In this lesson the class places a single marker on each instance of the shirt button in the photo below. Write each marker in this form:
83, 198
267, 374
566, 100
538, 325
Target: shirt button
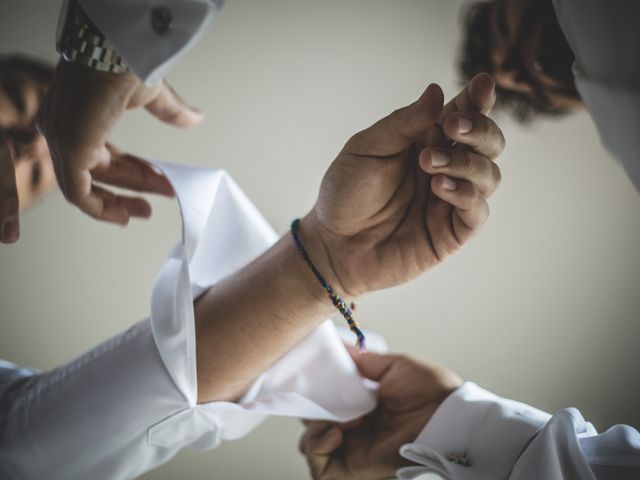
161, 20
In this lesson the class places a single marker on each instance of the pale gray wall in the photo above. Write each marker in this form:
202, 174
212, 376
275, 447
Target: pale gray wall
543, 306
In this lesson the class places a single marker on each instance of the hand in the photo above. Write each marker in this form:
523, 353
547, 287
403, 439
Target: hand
386, 211
409, 394
81, 108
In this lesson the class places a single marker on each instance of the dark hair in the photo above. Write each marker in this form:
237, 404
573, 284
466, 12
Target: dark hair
476, 57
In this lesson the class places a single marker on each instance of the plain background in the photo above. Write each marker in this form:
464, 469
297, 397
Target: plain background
542, 307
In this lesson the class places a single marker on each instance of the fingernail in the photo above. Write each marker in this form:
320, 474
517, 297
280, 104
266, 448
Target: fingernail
449, 184
464, 124
439, 159
11, 229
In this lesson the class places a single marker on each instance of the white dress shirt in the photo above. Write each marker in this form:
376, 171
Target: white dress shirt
605, 38
129, 404
151, 52
477, 435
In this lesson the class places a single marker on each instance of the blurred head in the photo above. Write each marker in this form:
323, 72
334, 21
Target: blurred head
521, 44
23, 83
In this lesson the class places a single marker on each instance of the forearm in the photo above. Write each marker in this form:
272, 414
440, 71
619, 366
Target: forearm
248, 321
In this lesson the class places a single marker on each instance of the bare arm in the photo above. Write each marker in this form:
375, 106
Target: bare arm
246, 323
388, 210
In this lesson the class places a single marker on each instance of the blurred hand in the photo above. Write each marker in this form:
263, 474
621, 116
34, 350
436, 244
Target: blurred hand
368, 448
400, 198
81, 108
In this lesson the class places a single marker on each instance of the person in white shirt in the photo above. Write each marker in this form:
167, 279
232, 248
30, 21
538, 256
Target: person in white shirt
236, 324
548, 59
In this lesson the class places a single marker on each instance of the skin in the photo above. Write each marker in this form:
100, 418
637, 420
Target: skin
27, 171
506, 22
385, 214
409, 393
80, 110
396, 202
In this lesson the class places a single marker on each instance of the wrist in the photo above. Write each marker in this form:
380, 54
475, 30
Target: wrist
310, 232
79, 41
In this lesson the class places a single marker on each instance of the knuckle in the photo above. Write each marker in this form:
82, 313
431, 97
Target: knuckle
472, 198
476, 196
468, 165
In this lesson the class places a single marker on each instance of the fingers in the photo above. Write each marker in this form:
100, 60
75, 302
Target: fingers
476, 131
315, 431
463, 164
399, 130
102, 204
170, 108
318, 443
471, 210
132, 173
9, 204
478, 96
120, 170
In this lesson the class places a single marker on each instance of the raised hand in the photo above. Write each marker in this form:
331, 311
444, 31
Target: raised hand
368, 448
400, 197
81, 108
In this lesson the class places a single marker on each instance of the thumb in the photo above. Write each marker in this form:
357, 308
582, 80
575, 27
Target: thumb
397, 131
326, 443
482, 93
478, 96
9, 204
372, 365
170, 108
320, 454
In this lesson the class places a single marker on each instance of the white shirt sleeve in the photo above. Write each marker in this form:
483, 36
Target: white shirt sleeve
129, 404
604, 37
150, 52
478, 435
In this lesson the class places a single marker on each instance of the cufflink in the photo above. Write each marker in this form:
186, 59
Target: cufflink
459, 459
161, 20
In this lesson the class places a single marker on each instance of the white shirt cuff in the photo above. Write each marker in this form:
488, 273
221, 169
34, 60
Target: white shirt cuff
474, 434
223, 231
127, 25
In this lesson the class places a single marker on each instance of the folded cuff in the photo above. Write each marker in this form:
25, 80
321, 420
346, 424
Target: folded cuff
474, 434
223, 231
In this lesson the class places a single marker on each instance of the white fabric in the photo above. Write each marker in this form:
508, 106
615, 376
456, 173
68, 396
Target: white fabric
129, 404
127, 25
506, 439
605, 39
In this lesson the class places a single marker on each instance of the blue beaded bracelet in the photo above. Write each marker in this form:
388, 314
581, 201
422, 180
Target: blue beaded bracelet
336, 299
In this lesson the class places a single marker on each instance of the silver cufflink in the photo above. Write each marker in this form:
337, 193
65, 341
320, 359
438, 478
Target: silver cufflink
459, 459
161, 20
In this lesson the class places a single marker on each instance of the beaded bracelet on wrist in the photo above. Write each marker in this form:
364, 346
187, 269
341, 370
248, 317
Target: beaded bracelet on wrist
336, 299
